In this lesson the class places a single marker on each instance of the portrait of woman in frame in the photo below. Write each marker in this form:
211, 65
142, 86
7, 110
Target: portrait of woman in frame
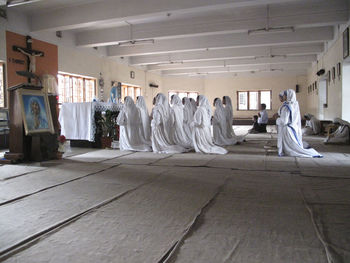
36, 112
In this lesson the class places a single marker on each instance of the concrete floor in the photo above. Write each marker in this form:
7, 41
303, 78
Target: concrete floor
246, 206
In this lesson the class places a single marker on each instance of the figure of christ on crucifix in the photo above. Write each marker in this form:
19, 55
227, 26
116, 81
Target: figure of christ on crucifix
31, 58
30, 54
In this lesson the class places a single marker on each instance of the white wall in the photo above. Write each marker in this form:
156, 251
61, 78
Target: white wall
214, 87
83, 61
90, 62
328, 60
346, 93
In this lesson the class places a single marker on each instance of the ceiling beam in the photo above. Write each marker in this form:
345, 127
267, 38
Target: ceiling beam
249, 68
303, 35
305, 14
87, 14
234, 62
230, 53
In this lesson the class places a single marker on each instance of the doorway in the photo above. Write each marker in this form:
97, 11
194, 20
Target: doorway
322, 98
346, 91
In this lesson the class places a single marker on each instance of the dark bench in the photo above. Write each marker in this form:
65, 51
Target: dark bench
249, 121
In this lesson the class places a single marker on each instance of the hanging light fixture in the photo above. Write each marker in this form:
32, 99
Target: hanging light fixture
268, 29
12, 3
134, 42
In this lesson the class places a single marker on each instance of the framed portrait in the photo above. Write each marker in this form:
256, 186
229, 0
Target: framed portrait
329, 76
36, 112
346, 43
333, 73
339, 70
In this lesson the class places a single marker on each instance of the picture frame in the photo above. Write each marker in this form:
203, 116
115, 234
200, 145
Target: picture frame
36, 113
132, 74
346, 43
339, 70
329, 76
333, 73
315, 85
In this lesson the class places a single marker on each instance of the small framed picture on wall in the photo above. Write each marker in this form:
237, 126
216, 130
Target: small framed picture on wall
346, 43
339, 70
329, 76
315, 85
333, 73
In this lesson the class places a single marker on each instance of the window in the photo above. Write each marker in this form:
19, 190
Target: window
183, 94
2, 86
73, 88
132, 91
251, 100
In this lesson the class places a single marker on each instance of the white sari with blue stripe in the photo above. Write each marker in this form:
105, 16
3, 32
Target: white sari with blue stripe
290, 136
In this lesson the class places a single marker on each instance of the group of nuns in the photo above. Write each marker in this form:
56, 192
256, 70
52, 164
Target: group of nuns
178, 128
186, 125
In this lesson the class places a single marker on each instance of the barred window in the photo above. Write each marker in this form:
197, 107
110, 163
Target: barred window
74, 88
183, 94
251, 100
2, 86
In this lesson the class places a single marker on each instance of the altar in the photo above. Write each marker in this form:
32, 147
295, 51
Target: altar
78, 120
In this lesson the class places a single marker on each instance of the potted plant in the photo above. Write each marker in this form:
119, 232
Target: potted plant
107, 124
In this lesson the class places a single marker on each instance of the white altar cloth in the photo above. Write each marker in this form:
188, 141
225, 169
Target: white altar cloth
77, 119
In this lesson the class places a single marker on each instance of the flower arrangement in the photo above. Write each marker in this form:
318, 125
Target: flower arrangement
61, 143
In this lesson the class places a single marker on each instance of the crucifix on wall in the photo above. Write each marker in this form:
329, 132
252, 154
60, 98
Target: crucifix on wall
31, 55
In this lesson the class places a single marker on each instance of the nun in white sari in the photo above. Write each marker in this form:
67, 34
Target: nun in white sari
341, 135
201, 136
279, 128
162, 128
229, 118
179, 135
291, 136
193, 105
145, 120
219, 125
129, 120
188, 118
312, 125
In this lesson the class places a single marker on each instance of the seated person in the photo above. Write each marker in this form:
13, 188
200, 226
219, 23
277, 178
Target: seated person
262, 121
255, 128
341, 135
312, 125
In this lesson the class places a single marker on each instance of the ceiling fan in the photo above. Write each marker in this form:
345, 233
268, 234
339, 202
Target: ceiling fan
12, 3
4, 4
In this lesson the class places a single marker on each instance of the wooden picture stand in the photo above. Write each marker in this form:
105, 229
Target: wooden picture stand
38, 147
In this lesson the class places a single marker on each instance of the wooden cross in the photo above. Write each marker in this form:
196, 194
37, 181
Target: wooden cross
30, 54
